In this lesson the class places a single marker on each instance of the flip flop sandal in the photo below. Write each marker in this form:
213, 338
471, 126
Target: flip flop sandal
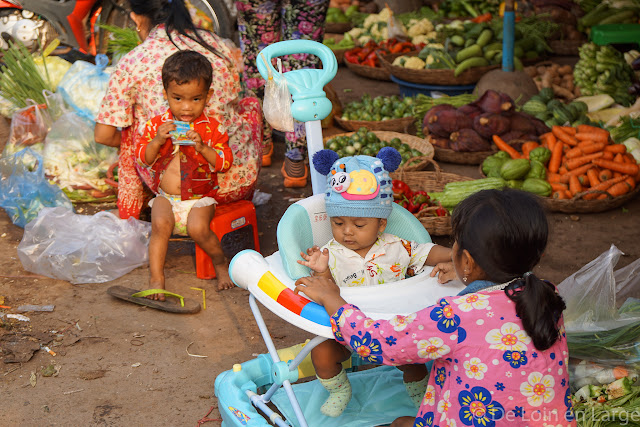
138, 297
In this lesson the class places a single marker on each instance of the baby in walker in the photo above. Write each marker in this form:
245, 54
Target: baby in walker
184, 149
358, 201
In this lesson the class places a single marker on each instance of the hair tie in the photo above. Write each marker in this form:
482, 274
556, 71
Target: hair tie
527, 274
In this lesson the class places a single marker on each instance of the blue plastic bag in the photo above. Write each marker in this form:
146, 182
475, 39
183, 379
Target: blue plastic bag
24, 190
84, 86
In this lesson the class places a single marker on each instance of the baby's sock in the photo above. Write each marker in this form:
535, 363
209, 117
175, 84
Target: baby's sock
339, 389
417, 389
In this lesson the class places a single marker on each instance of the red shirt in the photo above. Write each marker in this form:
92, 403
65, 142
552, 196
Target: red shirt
198, 178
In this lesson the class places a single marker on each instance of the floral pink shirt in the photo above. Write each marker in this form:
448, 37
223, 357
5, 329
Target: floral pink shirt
486, 371
135, 96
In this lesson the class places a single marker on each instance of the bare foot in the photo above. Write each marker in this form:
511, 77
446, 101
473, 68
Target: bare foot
222, 275
156, 284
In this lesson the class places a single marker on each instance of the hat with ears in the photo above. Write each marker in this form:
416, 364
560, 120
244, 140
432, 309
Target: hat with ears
358, 186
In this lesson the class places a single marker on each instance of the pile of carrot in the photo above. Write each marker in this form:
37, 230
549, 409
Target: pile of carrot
584, 162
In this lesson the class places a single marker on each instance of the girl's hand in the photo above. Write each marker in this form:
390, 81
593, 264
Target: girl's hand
315, 259
444, 271
322, 290
164, 131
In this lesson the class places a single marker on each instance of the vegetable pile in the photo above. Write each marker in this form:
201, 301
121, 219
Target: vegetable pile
366, 142
416, 202
613, 404
378, 108
603, 70
552, 111
368, 54
471, 126
345, 43
580, 162
558, 78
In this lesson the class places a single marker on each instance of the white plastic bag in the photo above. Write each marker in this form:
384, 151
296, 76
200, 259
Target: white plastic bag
29, 128
83, 248
277, 101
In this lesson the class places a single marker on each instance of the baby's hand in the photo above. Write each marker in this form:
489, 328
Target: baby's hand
164, 131
444, 271
316, 259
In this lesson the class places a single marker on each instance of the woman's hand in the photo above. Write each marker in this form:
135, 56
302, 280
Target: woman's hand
444, 271
322, 290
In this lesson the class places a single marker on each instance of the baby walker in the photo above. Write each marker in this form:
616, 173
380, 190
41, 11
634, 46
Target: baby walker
244, 391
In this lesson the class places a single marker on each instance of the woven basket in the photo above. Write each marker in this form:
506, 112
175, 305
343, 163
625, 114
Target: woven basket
579, 205
339, 53
430, 181
402, 125
433, 77
376, 73
337, 27
461, 157
413, 164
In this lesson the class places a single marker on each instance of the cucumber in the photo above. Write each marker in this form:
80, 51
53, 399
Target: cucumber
490, 54
469, 52
469, 42
517, 64
493, 46
457, 40
484, 38
518, 52
477, 61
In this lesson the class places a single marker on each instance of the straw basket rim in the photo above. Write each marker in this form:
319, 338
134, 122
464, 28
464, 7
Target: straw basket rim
442, 77
430, 181
401, 125
448, 155
412, 141
375, 73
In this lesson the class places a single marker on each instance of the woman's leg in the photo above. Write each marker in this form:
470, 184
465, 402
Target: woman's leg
199, 229
162, 222
130, 188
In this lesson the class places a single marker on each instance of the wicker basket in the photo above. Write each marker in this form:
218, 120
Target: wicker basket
433, 77
376, 73
339, 53
461, 157
337, 27
579, 205
413, 164
402, 125
430, 181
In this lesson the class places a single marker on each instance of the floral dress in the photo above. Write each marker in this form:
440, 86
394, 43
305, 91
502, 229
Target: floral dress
262, 23
486, 371
134, 96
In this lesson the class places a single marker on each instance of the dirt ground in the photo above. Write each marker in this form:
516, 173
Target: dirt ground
119, 364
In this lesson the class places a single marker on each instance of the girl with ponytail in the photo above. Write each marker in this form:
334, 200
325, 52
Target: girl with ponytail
498, 347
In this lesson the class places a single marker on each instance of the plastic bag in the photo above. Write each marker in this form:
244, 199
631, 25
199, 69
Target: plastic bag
55, 69
24, 190
29, 128
83, 248
84, 86
600, 325
395, 28
277, 101
75, 162
55, 104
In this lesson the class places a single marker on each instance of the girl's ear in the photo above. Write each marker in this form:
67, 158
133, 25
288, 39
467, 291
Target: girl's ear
470, 267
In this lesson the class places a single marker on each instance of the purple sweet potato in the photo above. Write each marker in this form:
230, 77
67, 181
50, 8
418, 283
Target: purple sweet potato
494, 102
540, 126
438, 142
432, 115
468, 140
489, 124
470, 110
511, 135
522, 122
445, 121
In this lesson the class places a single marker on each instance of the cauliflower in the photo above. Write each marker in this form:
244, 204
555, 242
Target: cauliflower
417, 28
399, 61
420, 39
371, 20
414, 63
429, 60
436, 46
355, 32
362, 40
385, 14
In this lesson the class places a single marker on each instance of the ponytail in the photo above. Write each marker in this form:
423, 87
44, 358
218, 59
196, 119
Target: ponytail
539, 307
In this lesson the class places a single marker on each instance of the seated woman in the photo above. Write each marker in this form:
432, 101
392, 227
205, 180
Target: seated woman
135, 95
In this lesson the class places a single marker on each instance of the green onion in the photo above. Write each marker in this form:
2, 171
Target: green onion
19, 77
121, 40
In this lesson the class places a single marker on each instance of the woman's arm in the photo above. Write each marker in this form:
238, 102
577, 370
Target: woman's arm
106, 135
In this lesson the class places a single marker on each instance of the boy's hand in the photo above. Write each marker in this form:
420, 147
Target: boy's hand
444, 271
195, 137
164, 131
316, 259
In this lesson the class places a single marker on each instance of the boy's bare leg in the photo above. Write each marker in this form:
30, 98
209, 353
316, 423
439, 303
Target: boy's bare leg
198, 227
162, 223
327, 358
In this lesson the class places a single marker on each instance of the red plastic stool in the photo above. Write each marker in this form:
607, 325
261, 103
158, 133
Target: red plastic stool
236, 226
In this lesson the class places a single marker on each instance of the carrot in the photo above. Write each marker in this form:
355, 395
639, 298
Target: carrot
568, 194
506, 147
616, 148
563, 170
605, 175
602, 196
617, 174
570, 130
585, 149
559, 195
584, 143
592, 174
592, 129
548, 139
603, 186
556, 157
557, 178
580, 170
582, 160
619, 189
574, 185
628, 158
584, 181
620, 372
608, 155
626, 168
618, 158
528, 146
558, 186
632, 182
592, 136
563, 136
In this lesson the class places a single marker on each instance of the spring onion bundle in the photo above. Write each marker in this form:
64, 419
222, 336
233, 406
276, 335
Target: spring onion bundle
19, 77
121, 40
